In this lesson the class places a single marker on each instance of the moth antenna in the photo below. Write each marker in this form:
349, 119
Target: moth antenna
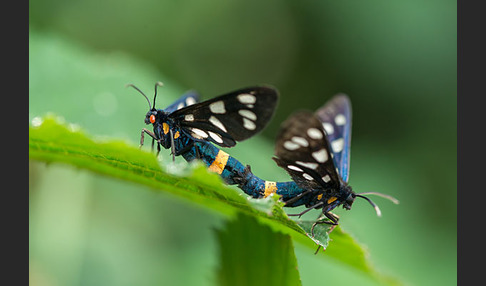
159, 83
377, 209
390, 198
150, 107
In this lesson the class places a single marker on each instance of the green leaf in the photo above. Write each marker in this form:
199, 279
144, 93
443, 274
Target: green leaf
251, 253
52, 141
88, 87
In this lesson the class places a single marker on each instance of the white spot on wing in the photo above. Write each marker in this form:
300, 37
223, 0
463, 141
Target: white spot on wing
308, 177
189, 117
198, 133
308, 165
328, 127
217, 107
216, 137
248, 114
190, 101
295, 168
181, 105
314, 133
215, 121
320, 156
326, 178
340, 120
248, 124
246, 98
301, 141
291, 145
337, 145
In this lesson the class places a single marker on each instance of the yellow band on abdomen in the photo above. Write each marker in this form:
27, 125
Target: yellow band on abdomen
219, 163
270, 188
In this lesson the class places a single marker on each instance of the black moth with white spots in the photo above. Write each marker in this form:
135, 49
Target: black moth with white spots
228, 118
304, 151
223, 120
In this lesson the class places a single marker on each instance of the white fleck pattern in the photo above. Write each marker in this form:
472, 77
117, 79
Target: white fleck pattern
328, 127
326, 178
291, 145
246, 98
217, 107
190, 101
215, 121
308, 165
198, 133
337, 145
340, 120
314, 133
308, 177
216, 137
320, 156
295, 168
248, 114
189, 117
301, 141
248, 124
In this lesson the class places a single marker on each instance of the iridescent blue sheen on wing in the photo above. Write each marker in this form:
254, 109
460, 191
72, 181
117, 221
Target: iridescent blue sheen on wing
336, 118
186, 99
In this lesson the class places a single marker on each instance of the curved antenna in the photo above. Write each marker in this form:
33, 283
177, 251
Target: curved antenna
390, 198
377, 209
150, 107
375, 206
159, 83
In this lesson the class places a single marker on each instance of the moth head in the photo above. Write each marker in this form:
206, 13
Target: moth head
349, 198
152, 115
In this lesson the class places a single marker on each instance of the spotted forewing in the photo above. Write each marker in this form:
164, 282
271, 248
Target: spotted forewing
304, 152
231, 117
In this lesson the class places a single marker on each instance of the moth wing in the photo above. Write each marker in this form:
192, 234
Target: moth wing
335, 116
303, 151
188, 98
228, 118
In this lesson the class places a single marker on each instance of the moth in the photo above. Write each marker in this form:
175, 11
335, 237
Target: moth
222, 120
314, 149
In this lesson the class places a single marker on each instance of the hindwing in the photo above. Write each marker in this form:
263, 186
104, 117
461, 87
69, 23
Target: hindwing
335, 116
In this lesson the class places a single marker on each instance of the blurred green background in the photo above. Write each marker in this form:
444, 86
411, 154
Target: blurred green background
395, 59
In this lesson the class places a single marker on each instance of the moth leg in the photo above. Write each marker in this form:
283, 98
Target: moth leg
308, 209
334, 221
172, 145
198, 155
150, 133
158, 148
296, 198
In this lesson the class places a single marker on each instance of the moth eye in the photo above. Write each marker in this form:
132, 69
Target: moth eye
152, 118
